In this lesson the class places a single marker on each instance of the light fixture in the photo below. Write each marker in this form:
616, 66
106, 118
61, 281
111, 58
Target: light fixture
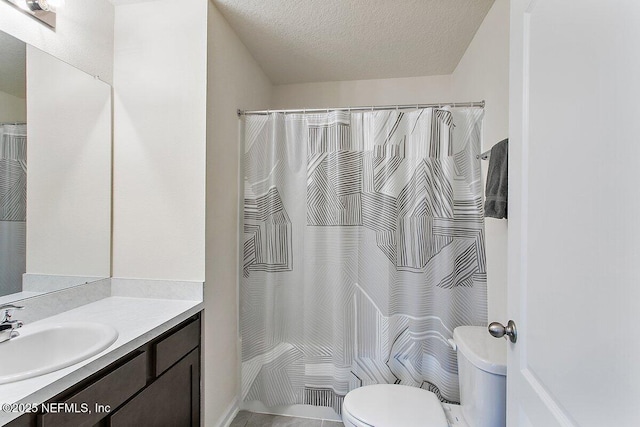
42, 10
44, 5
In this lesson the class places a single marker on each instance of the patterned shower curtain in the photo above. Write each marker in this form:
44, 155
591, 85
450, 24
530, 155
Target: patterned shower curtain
363, 250
13, 205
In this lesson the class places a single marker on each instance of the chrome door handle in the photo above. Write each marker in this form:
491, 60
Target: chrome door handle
498, 330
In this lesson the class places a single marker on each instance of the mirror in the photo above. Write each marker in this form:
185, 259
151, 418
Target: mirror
55, 173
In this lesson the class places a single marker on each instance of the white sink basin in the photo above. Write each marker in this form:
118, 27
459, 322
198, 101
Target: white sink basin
41, 349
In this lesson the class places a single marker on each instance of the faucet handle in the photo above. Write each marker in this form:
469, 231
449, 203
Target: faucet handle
7, 310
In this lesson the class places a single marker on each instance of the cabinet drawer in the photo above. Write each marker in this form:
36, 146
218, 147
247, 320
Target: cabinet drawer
176, 346
112, 389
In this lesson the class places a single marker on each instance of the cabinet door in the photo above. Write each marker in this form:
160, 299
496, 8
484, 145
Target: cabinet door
110, 390
172, 400
26, 420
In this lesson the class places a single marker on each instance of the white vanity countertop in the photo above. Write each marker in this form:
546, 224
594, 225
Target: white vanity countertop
137, 320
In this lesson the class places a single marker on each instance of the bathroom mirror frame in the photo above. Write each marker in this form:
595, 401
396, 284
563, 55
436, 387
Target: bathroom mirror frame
76, 197
47, 17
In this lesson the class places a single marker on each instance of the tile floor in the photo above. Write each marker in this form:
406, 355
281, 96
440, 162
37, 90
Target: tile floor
250, 419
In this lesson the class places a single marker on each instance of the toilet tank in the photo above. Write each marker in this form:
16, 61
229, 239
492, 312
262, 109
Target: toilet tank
482, 372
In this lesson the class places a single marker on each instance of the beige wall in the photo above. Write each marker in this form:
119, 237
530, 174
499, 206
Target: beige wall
83, 36
409, 90
160, 114
12, 108
235, 81
483, 73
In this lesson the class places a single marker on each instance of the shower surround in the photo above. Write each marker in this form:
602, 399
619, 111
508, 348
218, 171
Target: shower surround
363, 250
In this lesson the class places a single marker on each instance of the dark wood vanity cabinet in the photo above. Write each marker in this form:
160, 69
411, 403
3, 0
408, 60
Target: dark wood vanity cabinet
156, 385
172, 400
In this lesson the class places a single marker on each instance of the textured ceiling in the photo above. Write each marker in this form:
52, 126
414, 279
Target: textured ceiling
13, 66
299, 41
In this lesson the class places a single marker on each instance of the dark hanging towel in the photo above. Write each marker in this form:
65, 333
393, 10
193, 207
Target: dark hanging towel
496, 203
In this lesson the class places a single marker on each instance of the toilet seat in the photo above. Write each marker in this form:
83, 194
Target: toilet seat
391, 405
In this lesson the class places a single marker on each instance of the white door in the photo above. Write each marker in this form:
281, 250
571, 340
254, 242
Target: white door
574, 213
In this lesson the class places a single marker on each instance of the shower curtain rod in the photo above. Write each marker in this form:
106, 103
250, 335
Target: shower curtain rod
12, 123
479, 104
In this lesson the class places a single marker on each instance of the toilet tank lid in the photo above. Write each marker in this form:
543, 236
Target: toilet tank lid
481, 349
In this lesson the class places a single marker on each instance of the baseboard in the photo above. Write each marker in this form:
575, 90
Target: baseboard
299, 411
230, 413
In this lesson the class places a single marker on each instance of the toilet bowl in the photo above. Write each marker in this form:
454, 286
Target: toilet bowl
482, 374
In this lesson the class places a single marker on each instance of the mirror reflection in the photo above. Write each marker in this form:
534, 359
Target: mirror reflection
55, 173
13, 164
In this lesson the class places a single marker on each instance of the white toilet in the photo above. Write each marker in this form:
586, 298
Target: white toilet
482, 370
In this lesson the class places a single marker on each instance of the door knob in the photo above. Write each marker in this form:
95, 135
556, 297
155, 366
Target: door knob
496, 329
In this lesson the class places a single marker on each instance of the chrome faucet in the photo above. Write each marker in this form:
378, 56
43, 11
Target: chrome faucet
7, 326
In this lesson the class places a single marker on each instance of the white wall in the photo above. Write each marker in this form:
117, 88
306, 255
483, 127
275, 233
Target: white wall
483, 73
406, 90
160, 67
12, 108
83, 36
69, 169
235, 81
